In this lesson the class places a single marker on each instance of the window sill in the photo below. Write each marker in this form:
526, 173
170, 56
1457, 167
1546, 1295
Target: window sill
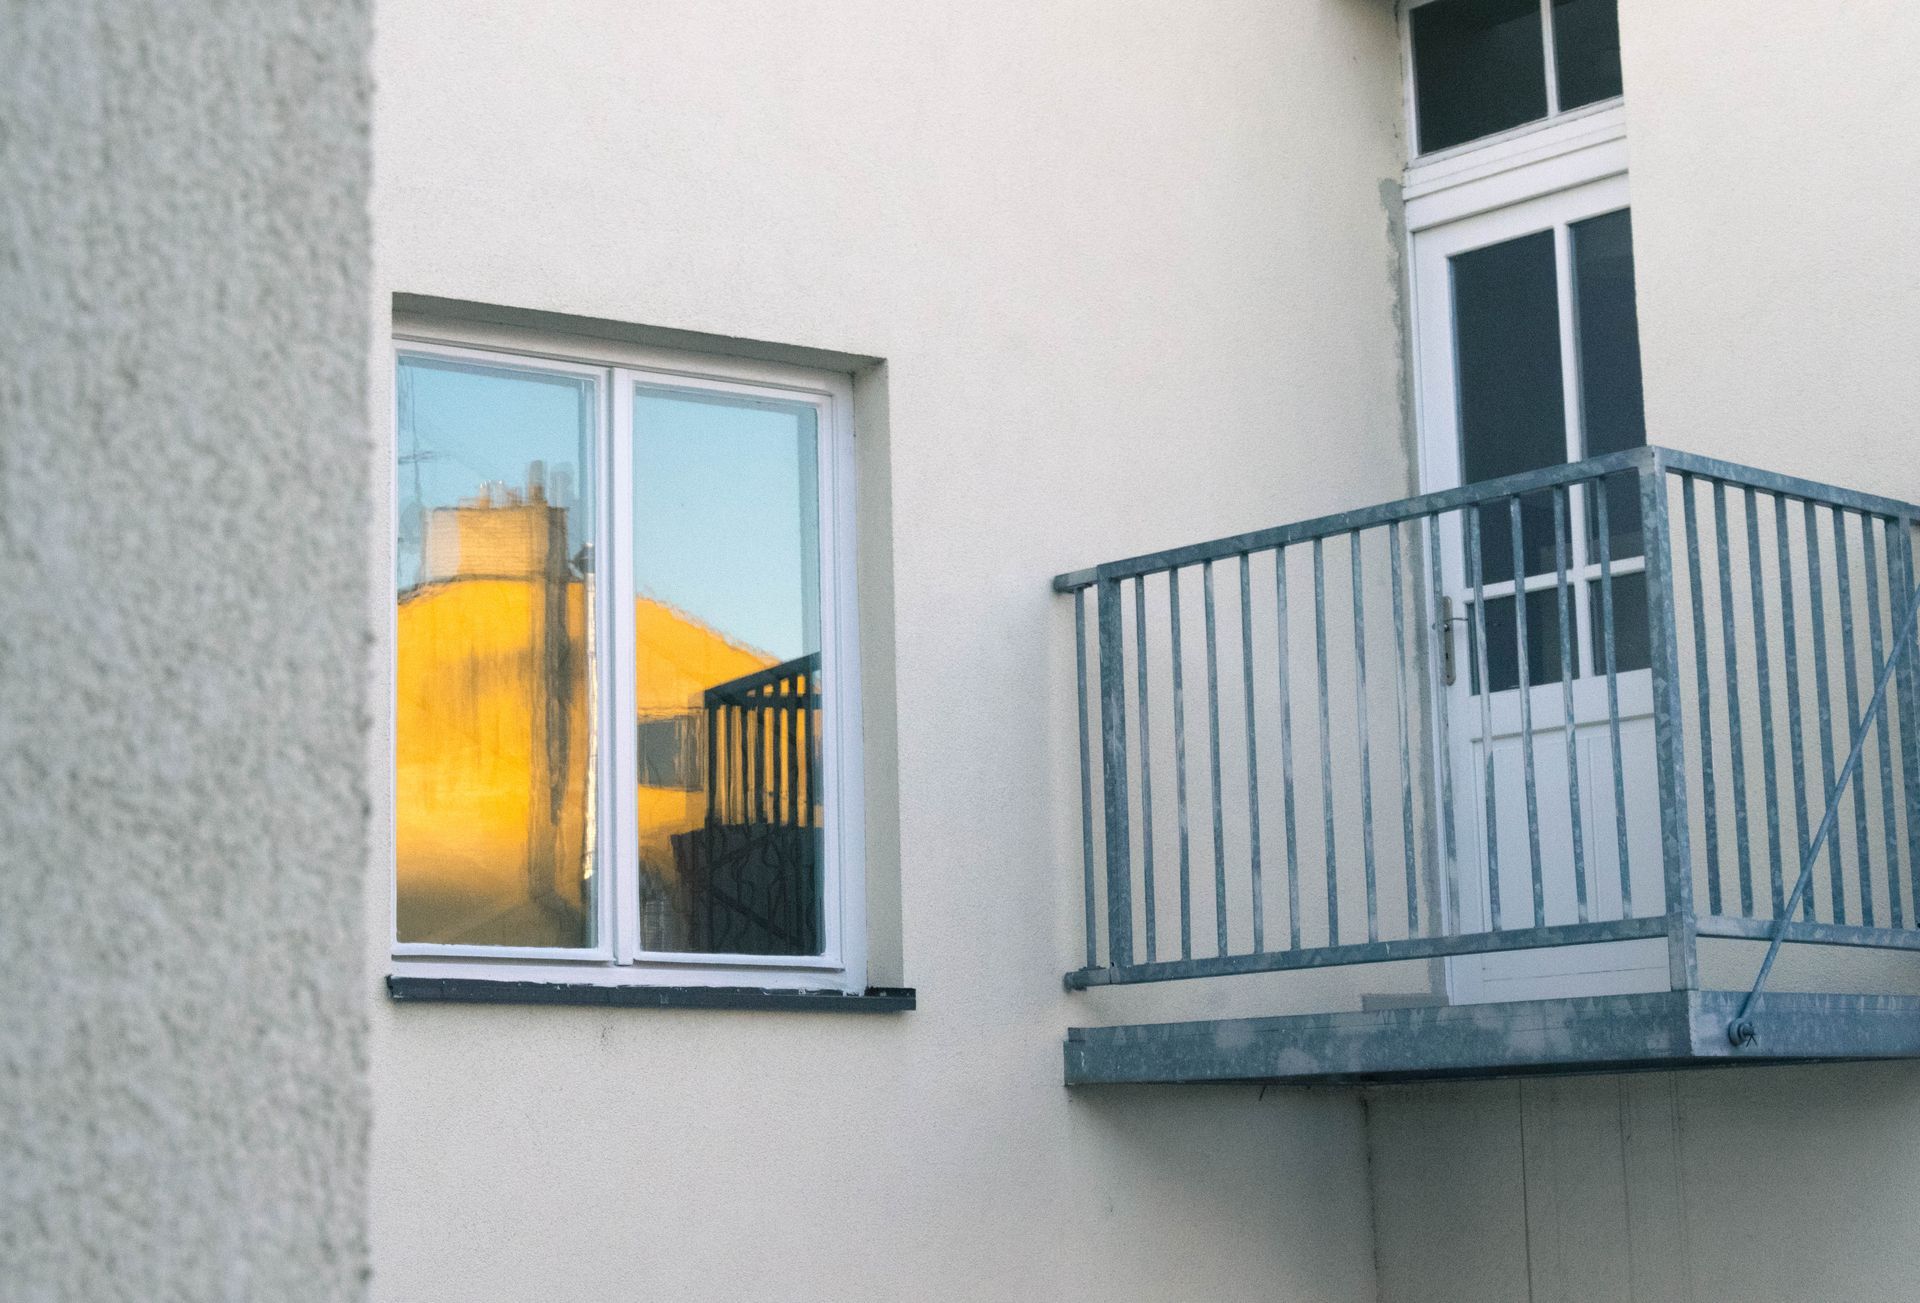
457, 990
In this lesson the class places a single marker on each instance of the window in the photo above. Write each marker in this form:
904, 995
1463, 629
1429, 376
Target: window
1511, 374
1485, 66
625, 718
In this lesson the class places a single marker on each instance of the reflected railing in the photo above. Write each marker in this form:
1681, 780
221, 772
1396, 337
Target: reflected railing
752, 869
1604, 702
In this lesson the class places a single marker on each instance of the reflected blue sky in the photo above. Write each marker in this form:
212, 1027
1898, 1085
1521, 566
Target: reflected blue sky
464, 426
726, 509
726, 515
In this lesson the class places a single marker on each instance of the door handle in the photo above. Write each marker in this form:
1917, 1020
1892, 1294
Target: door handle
1448, 670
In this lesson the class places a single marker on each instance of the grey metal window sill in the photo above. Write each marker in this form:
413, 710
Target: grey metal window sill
453, 990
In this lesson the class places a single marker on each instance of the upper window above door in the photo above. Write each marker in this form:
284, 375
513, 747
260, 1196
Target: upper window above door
1482, 67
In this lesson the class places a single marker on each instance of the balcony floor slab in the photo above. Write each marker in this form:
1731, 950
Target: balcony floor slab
1614, 1033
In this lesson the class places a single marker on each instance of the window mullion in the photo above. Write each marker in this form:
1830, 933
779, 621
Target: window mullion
1579, 498
620, 858
1546, 50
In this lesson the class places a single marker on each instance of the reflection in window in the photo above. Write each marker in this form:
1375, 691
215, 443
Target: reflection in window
1586, 50
671, 748
1607, 329
726, 555
1503, 641
1479, 66
494, 697
1506, 310
1632, 644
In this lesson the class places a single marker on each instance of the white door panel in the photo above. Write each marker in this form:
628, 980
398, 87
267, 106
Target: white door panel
1500, 391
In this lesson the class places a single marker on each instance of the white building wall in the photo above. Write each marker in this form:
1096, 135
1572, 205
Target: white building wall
184, 261
1776, 211
1131, 273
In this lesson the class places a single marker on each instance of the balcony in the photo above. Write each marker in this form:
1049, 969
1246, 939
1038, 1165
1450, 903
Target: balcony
1611, 765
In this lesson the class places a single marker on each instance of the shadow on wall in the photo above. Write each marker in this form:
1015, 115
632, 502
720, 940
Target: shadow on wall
1203, 1165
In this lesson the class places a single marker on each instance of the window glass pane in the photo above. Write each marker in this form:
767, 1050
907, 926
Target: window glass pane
1503, 645
1586, 50
1507, 367
1632, 647
726, 553
1607, 332
494, 692
1479, 66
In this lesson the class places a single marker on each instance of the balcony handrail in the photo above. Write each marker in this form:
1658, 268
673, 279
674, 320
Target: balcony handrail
1480, 493
745, 690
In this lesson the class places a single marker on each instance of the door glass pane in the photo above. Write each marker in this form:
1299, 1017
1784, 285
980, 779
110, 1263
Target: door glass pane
1586, 50
1506, 317
494, 693
726, 555
1479, 66
1632, 648
1503, 644
1607, 333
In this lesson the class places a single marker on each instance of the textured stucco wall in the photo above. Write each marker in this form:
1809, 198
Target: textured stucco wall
1776, 210
1131, 274
183, 636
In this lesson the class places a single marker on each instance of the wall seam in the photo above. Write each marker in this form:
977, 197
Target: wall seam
1526, 1185
1373, 1198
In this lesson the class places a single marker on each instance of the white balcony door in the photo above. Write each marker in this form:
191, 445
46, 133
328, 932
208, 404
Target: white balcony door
1528, 357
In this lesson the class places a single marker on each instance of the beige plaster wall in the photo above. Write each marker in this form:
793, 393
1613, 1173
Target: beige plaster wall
1770, 1185
1776, 207
1092, 244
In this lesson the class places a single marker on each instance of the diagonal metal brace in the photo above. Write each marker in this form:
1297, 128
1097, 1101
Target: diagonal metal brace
1741, 1031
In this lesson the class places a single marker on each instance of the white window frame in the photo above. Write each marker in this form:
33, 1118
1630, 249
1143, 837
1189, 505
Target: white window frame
1559, 137
618, 957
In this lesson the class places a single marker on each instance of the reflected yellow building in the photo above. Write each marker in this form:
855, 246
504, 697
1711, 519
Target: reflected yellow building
495, 767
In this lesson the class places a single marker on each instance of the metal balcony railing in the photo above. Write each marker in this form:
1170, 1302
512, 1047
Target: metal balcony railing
1649, 697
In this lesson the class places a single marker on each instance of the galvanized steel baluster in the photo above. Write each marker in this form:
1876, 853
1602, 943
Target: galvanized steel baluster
1180, 766
1086, 768
1907, 691
1669, 737
1823, 702
1769, 771
1737, 751
1862, 841
1366, 754
1146, 765
1567, 729
1213, 748
1889, 803
1253, 754
1484, 687
1610, 658
1526, 713
1406, 741
1789, 621
1113, 753
1442, 630
1709, 797
1326, 744
1286, 749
